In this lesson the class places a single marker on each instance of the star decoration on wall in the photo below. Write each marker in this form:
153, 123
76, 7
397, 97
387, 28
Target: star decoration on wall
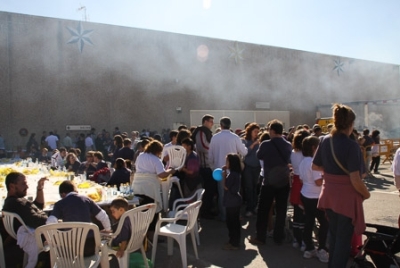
338, 66
236, 53
80, 36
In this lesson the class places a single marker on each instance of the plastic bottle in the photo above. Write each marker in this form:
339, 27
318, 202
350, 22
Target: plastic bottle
109, 192
115, 190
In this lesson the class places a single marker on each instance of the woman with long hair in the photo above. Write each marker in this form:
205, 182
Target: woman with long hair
343, 191
252, 167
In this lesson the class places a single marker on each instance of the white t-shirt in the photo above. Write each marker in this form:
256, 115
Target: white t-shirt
309, 176
149, 163
295, 158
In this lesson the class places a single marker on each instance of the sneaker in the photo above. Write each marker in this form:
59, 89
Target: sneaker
303, 247
376, 172
255, 241
323, 256
295, 244
229, 246
248, 214
308, 254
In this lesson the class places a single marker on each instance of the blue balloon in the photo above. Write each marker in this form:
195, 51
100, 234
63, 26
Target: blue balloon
217, 174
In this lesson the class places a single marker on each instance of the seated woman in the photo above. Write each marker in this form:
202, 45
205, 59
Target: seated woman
44, 157
146, 183
192, 179
72, 164
121, 173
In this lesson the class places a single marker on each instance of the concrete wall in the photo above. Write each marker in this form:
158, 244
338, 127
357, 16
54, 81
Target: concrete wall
57, 72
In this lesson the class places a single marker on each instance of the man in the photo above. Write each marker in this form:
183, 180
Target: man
89, 145
88, 166
126, 152
67, 142
74, 207
52, 141
135, 139
30, 212
221, 144
58, 158
275, 153
202, 137
173, 134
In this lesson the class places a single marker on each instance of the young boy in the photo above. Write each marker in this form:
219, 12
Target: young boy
118, 207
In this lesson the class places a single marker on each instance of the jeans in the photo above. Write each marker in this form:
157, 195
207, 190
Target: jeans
233, 224
267, 196
250, 177
375, 163
341, 231
312, 212
210, 190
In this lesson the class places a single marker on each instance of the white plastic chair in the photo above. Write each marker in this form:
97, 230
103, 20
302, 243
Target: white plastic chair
176, 159
2, 259
8, 221
181, 203
66, 243
177, 231
140, 219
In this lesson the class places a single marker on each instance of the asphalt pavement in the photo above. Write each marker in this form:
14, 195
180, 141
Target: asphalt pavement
381, 208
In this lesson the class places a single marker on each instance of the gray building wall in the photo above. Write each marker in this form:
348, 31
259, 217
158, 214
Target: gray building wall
56, 72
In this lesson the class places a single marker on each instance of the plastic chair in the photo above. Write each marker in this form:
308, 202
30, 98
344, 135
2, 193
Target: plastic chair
176, 159
8, 221
2, 259
140, 219
177, 231
66, 242
181, 203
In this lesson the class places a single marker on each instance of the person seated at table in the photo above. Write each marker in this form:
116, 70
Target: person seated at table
192, 179
72, 164
31, 212
44, 157
118, 207
98, 159
58, 158
75, 207
146, 182
121, 173
88, 166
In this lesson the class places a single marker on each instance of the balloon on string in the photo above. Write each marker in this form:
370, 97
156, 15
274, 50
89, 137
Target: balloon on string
217, 174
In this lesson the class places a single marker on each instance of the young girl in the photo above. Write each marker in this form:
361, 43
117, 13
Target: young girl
232, 199
312, 181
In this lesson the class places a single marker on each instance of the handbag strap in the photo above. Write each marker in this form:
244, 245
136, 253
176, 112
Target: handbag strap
336, 160
279, 151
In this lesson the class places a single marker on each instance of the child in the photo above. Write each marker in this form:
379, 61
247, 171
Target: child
232, 199
118, 207
312, 182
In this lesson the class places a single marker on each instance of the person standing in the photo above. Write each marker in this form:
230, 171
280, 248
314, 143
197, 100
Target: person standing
202, 137
67, 142
252, 168
376, 158
52, 141
222, 144
339, 158
275, 154
232, 199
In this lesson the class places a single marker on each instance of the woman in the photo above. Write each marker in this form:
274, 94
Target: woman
146, 182
376, 158
192, 179
118, 143
73, 163
121, 173
32, 143
252, 167
343, 190
298, 210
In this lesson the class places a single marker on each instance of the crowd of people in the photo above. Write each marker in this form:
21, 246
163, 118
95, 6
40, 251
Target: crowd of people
262, 167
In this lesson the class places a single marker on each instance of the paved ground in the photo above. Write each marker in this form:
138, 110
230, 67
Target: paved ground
381, 208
